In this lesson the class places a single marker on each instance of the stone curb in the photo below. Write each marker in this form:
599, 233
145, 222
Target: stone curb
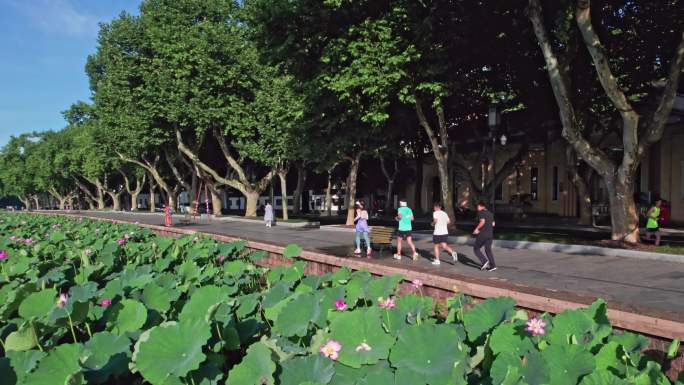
548, 246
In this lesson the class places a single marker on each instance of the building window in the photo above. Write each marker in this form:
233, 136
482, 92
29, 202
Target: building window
498, 193
556, 182
534, 183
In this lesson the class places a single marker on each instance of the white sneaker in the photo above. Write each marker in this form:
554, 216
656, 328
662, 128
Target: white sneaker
436, 262
397, 256
416, 256
454, 255
357, 251
369, 252
485, 266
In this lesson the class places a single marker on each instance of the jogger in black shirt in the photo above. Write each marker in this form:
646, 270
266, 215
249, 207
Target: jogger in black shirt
484, 233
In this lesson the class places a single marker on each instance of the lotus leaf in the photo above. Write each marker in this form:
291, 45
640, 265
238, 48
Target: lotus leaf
484, 316
427, 354
383, 287
310, 368
292, 250
156, 297
170, 350
201, 302
128, 316
24, 362
296, 316
581, 326
567, 363
57, 367
602, 377
106, 354
510, 337
247, 304
22, 339
362, 337
38, 304
378, 374
256, 368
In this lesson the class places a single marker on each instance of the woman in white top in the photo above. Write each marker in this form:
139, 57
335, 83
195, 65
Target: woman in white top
440, 237
268, 214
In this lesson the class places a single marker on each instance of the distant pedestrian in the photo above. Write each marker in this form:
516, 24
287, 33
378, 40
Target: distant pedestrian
268, 214
362, 230
484, 235
653, 222
440, 236
167, 216
405, 217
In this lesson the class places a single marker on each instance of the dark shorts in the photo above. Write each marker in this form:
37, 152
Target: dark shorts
653, 230
403, 234
437, 239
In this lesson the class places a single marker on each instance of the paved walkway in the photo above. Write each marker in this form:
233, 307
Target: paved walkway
652, 284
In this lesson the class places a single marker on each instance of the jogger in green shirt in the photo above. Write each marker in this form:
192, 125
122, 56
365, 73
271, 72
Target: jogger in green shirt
652, 224
405, 217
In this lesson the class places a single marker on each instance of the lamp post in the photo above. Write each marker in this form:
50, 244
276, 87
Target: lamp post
494, 121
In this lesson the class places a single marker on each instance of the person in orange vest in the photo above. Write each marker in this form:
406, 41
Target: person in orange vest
167, 216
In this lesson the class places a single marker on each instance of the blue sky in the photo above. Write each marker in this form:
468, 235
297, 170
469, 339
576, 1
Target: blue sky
43, 49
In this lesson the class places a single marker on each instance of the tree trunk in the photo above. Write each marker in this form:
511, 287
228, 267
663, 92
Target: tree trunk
116, 200
581, 183
134, 200
390, 182
301, 182
328, 194
351, 187
252, 198
26, 202
623, 213
389, 202
153, 206
446, 188
216, 202
36, 201
282, 174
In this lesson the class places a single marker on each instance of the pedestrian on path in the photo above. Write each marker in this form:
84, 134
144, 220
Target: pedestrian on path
652, 223
405, 217
362, 230
440, 236
268, 214
167, 216
484, 235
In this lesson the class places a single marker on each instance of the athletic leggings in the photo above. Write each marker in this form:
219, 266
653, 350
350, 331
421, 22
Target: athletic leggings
487, 243
363, 234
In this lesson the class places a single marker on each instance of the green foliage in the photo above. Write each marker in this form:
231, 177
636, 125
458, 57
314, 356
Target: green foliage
191, 319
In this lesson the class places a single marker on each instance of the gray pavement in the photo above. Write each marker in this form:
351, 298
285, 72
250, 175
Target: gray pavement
654, 284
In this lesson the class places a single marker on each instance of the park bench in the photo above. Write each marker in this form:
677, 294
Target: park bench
187, 217
381, 237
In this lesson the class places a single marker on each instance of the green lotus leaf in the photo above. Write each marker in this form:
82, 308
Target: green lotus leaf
378, 374
188, 270
7, 373
201, 302
276, 294
83, 292
407, 312
58, 367
102, 347
22, 339
584, 326
357, 287
602, 377
292, 250
501, 365
235, 268
651, 375
341, 276
210, 372
315, 368
170, 350
272, 312
296, 316
428, 354
156, 298
24, 362
128, 316
609, 357
484, 316
383, 287
256, 368
510, 337
247, 304
294, 272
567, 363
535, 370
38, 304
355, 328
632, 344
326, 301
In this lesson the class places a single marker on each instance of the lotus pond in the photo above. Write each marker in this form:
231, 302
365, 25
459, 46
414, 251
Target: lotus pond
93, 302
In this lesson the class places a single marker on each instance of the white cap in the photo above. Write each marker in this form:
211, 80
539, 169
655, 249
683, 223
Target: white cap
402, 203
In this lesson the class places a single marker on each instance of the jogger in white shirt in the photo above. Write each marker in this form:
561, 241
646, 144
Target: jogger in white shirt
440, 237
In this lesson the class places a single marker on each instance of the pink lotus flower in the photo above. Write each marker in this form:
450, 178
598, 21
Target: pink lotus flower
105, 302
417, 283
13, 238
536, 326
331, 349
386, 303
120, 242
3, 255
126, 236
56, 226
195, 239
363, 347
340, 305
62, 300
23, 223
221, 258
28, 241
